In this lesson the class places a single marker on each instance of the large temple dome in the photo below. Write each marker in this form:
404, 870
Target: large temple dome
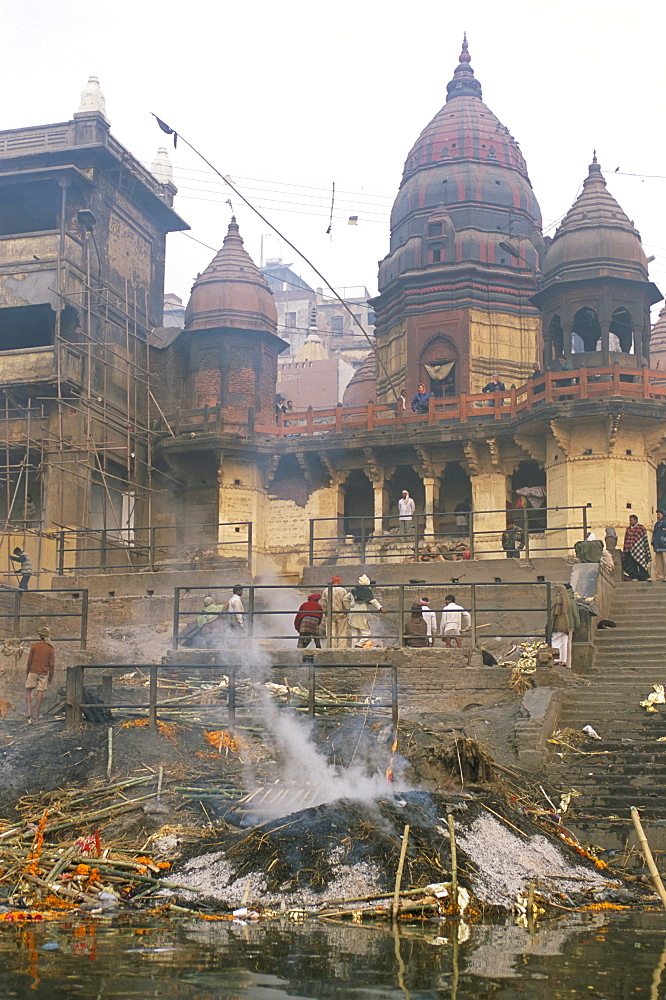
467, 166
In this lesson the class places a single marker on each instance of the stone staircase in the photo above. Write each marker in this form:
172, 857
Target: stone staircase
628, 765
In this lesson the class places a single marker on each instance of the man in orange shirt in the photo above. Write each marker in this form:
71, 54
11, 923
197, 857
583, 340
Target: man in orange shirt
41, 667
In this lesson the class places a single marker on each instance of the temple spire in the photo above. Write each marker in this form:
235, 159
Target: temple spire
464, 83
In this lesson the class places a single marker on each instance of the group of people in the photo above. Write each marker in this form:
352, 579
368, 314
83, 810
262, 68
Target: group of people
420, 630
349, 619
636, 555
349, 616
217, 621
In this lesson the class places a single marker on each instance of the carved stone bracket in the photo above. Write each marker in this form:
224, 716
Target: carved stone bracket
337, 476
533, 445
495, 456
301, 458
654, 438
270, 468
472, 457
612, 426
373, 469
562, 435
427, 467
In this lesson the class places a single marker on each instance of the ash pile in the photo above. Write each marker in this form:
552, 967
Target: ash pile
341, 852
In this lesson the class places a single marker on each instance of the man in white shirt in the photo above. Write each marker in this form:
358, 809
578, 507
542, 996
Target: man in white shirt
454, 619
406, 508
430, 618
236, 617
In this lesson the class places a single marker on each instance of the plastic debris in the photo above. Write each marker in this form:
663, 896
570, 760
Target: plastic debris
655, 697
592, 733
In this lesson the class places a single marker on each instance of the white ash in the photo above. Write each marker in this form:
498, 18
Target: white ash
508, 863
213, 877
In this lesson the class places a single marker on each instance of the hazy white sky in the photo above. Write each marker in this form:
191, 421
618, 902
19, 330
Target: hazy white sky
286, 98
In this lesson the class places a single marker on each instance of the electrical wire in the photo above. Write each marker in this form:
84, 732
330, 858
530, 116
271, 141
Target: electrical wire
166, 128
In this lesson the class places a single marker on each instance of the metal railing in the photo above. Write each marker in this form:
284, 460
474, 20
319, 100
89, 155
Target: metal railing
75, 691
18, 616
154, 548
361, 539
479, 599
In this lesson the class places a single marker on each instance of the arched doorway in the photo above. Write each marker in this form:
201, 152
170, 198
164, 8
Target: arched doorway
586, 331
437, 367
528, 493
359, 504
621, 331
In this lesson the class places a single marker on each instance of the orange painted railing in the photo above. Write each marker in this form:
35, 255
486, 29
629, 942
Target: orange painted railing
551, 387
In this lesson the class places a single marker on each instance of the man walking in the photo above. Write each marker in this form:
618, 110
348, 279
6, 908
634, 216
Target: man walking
23, 559
340, 601
308, 621
362, 600
40, 670
406, 508
236, 616
421, 400
454, 620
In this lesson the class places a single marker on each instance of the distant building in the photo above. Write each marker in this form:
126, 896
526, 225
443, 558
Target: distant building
340, 335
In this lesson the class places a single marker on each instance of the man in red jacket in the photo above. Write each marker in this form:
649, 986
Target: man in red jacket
308, 620
41, 667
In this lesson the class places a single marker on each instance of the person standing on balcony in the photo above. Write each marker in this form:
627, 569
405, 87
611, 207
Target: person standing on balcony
421, 400
26, 571
406, 509
636, 557
495, 385
659, 546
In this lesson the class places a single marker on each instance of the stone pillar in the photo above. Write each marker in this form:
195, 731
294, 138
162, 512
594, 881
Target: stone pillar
429, 485
378, 491
489, 513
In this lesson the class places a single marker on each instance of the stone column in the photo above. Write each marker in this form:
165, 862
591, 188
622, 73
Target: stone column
378, 491
489, 513
429, 485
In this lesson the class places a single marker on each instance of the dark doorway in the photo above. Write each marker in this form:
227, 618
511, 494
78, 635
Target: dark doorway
359, 504
622, 325
404, 478
455, 491
529, 477
587, 328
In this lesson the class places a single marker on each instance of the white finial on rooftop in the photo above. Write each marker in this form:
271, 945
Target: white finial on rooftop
92, 98
161, 167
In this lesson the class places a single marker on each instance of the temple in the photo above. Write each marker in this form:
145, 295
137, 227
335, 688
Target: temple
116, 423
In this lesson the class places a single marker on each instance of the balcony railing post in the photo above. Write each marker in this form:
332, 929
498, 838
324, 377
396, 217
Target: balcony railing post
584, 522
363, 539
416, 536
549, 610
463, 404
401, 614
472, 613
338, 418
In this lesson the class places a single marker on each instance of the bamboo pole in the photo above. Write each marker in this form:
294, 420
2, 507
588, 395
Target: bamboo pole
454, 866
398, 876
645, 847
109, 743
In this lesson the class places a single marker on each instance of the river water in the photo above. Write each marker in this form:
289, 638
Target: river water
608, 956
